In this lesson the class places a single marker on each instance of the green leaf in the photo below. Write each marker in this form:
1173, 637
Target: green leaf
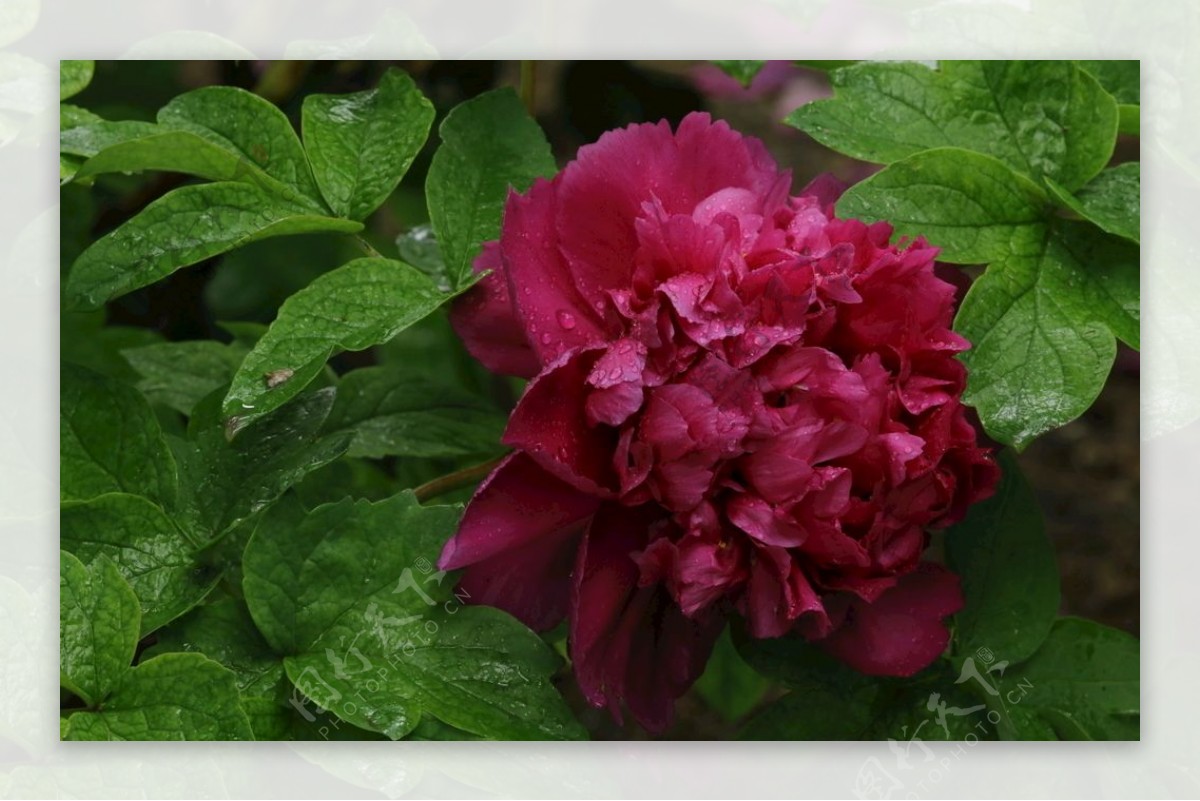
362, 144
224, 632
1085, 682
1112, 200
1121, 79
152, 553
728, 684
84, 134
489, 145
170, 697
110, 440
255, 280
391, 413
179, 374
841, 701
971, 206
98, 627
742, 71
1008, 571
795, 662
136, 147
1042, 118
182, 228
824, 65
85, 339
73, 77
347, 478
360, 304
809, 715
228, 481
1041, 324
1042, 319
935, 709
347, 593
235, 119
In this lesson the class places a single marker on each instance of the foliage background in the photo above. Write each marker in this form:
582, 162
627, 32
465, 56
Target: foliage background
1086, 474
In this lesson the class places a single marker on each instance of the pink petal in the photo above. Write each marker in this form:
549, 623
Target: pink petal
554, 316
602, 191
486, 322
826, 188
765, 523
902, 631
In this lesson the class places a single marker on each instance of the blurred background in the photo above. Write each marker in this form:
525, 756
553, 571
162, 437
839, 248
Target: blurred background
1086, 474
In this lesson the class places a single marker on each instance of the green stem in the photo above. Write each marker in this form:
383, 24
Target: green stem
529, 85
457, 480
367, 248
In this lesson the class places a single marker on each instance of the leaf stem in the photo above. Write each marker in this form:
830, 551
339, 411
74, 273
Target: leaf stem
529, 85
457, 480
366, 246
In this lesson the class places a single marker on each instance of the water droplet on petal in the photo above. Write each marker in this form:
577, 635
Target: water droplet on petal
566, 319
546, 338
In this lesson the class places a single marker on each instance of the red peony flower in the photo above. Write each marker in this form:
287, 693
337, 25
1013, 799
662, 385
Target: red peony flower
740, 405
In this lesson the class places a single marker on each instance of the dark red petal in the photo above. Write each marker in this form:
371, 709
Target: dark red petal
532, 582
606, 579
518, 504
487, 323
551, 424
632, 644
902, 631
553, 314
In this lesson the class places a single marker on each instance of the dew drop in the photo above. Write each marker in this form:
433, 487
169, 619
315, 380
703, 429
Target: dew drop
546, 338
566, 319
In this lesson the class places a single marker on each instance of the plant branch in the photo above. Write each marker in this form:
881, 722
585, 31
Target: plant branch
457, 480
367, 248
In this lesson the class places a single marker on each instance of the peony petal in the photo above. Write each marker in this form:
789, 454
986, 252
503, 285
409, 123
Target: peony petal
605, 580
826, 188
632, 644
765, 523
532, 582
487, 323
518, 504
665, 660
551, 424
602, 191
555, 318
902, 631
